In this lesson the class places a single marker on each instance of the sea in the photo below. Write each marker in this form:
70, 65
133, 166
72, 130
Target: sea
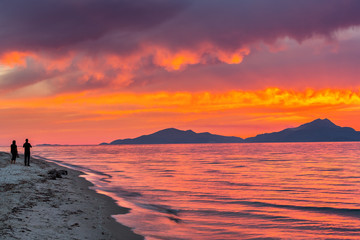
226, 191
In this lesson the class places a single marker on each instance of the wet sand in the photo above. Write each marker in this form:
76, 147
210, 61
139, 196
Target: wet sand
36, 207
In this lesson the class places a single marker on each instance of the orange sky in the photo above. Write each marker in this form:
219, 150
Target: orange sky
91, 117
191, 66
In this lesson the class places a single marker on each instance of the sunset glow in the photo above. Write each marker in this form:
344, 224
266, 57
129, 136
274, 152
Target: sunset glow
260, 109
232, 69
12, 59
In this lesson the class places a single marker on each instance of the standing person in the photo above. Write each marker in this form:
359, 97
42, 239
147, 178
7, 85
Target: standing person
27, 147
14, 151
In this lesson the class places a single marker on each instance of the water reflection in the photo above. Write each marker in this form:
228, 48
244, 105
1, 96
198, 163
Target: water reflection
228, 191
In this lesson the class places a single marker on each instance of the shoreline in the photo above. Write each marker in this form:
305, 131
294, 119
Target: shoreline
36, 207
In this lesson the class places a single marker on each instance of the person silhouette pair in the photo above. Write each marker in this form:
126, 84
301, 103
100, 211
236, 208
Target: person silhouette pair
15, 154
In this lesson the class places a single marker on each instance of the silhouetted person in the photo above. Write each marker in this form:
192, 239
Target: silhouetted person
14, 151
27, 147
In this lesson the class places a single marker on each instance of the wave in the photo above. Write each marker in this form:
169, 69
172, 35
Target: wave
121, 192
159, 208
352, 212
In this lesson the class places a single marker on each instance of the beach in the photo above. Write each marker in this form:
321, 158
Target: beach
34, 206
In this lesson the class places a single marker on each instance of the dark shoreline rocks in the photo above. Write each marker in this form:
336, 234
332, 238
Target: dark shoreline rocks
53, 174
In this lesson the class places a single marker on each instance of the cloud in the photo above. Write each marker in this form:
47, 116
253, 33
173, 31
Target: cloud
79, 45
43, 24
118, 115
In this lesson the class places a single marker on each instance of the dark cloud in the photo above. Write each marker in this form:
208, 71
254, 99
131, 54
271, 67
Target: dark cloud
51, 24
94, 28
233, 23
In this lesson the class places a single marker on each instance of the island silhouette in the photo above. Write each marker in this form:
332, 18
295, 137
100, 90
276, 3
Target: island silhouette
319, 130
173, 135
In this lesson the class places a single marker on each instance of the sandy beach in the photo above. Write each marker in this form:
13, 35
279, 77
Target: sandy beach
33, 206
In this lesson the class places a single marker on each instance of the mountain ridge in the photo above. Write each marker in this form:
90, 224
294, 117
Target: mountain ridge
318, 130
173, 136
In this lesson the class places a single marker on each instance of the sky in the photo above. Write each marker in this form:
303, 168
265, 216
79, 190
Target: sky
86, 72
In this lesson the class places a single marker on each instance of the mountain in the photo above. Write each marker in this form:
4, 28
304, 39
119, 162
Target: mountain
173, 135
51, 145
319, 130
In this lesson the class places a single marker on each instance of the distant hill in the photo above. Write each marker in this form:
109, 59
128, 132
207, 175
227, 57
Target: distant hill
50, 145
173, 135
319, 130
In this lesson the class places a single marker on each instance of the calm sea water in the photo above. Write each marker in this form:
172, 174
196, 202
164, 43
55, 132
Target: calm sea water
227, 191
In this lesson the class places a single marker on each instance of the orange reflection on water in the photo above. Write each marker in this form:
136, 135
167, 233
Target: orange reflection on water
230, 191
